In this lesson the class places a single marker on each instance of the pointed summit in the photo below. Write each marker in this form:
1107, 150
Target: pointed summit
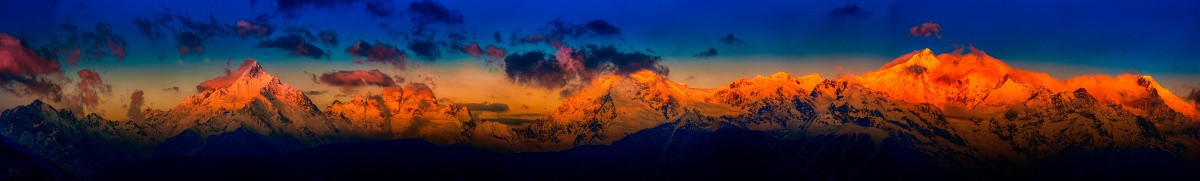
246, 99
923, 58
249, 82
248, 70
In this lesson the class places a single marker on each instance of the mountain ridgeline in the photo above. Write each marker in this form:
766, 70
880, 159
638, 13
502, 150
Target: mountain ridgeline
923, 116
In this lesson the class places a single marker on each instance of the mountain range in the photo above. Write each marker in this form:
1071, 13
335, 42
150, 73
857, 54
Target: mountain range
922, 116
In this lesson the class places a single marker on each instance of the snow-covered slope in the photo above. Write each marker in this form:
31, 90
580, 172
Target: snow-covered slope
248, 102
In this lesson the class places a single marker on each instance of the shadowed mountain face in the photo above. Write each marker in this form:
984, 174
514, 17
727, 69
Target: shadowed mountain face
77, 145
21, 164
686, 149
924, 116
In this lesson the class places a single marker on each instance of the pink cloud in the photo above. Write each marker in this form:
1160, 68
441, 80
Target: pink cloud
90, 85
16, 59
246, 28
925, 29
495, 53
473, 50
22, 71
351, 79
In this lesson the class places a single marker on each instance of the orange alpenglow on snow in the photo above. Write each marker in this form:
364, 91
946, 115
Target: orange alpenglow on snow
974, 80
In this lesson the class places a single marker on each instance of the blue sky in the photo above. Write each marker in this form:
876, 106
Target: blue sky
1064, 38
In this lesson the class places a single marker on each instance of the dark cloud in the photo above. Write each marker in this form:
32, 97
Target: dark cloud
558, 29
149, 29
850, 10
364, 52
135, 106
189, 43
711, 52
114, 45
329, 37
535, 68
153, 27
1194, 96
258, 29
90, 86
173, 89
428, 12
487, 107
41, 86
89, 45
25, 72
597, 58
497, 36
190, 34
730, 40
381, 8
295, 7
204, 29
584, 63
601, 27
456, 38
427, 49
315, 93
926, 29
531, 39
296, 44
314, 76
295, 30
349, 80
